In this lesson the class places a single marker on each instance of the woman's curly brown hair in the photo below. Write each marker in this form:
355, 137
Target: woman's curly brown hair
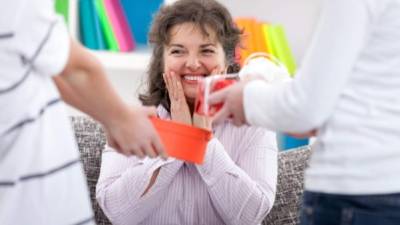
202, 13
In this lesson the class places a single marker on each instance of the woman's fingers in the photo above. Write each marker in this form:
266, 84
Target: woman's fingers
170, 83
148, 149
179, 87
159, 149
171, 86
167, 85
175, 85
179, 108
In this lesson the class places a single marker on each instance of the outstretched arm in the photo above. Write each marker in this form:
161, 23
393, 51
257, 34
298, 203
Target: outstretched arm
83, 84
338, 40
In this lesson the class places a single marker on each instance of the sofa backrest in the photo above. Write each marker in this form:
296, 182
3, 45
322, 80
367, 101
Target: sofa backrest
91, 141
291, 165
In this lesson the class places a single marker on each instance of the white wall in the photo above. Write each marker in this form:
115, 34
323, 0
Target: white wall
299, 17
126, 83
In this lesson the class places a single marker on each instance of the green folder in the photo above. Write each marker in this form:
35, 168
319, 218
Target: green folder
109, 35
62, 7
281, 48
272, 41
89, 23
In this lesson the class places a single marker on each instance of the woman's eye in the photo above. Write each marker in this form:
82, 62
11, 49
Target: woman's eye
176, 51
208, 51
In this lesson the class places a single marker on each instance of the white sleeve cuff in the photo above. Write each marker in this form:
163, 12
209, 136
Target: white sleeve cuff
252, 109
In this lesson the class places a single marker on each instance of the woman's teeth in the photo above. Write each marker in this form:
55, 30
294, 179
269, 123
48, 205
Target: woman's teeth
190, 77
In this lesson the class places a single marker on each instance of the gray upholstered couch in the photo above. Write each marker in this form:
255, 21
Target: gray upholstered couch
91, 141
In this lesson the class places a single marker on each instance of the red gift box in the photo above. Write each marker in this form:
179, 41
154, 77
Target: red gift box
204, 90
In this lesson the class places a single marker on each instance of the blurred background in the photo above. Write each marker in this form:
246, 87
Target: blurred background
116, 33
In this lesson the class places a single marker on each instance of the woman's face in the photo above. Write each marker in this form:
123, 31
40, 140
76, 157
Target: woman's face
192, 56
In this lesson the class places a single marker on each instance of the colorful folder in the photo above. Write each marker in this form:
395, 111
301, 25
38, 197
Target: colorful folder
120, 25
90, 31
139, 15
109, 35
282, 49
62, 7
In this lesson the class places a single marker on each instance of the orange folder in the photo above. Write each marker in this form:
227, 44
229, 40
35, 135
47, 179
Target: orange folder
262, 45
182, 141
245, 42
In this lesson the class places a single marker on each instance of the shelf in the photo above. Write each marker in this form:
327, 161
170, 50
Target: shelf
122, 61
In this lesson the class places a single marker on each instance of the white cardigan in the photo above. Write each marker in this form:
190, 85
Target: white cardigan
349, 89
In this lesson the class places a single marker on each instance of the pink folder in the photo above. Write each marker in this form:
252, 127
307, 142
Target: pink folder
120, 25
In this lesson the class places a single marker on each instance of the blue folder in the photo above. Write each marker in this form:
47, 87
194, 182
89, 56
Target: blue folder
286, 142
90, 31
139, 15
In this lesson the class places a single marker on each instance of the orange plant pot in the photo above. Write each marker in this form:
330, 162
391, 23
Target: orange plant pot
182, 141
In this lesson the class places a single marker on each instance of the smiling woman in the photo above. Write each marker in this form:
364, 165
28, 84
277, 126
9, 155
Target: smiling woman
194, 58
196, 31
236, 184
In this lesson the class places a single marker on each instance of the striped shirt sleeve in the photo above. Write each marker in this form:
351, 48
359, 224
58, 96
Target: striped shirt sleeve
41, 37
8, 17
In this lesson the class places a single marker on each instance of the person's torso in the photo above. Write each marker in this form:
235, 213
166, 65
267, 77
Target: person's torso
41, 177
187, 199
358, 148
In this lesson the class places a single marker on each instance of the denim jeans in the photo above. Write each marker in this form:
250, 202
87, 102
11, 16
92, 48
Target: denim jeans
332, 209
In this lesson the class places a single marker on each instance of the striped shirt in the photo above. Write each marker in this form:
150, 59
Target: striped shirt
41, 177
235, 185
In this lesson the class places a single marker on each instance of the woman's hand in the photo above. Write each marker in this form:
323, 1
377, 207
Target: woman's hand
179, 108
201, 121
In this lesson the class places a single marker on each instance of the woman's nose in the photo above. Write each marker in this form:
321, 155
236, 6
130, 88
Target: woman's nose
193, 62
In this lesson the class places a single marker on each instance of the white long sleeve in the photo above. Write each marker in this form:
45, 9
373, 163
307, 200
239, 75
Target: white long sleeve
308, 101
348, 89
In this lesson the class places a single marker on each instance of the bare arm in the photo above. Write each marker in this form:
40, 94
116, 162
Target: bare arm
83, 72
83, 84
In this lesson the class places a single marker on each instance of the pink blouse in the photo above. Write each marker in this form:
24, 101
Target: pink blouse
236, 184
